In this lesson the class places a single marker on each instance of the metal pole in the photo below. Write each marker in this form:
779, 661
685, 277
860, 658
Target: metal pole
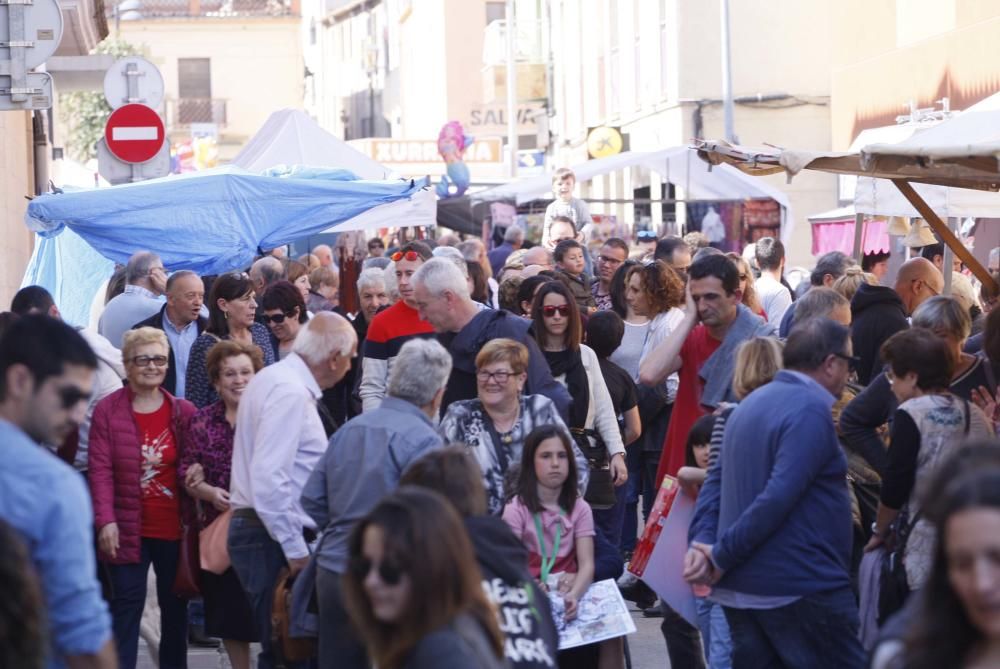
511, 92
727, 77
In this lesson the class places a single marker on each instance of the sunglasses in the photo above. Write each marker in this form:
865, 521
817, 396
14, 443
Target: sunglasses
852, 360
408, 256
239, 276
277, 319
70, 396
549, 310
147, 360
388, 573
646, 235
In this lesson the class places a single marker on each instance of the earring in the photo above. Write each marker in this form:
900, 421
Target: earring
226, 315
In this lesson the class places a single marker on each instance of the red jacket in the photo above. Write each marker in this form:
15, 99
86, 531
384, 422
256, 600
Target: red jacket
115, 468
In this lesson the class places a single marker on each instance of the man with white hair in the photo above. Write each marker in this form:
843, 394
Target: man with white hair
325, 255
279, 439
265, 272
539, 255
145, 284
513, 238
442, 298
372, 296
364, 462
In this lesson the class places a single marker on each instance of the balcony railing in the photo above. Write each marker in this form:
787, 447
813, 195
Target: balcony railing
162, 9
185, 111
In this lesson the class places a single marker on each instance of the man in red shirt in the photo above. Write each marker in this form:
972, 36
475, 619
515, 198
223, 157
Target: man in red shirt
712, 310
393, 327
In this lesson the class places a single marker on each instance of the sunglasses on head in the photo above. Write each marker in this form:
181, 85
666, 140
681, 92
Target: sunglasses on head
409, 256
70, 396
550, 310
388, 573
277, 319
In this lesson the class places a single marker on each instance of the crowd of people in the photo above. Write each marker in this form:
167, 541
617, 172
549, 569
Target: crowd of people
441, 475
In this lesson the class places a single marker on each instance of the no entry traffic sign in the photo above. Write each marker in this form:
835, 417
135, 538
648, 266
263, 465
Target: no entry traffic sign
134, 133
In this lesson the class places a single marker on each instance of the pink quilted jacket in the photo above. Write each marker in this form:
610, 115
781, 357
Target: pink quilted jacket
116, 467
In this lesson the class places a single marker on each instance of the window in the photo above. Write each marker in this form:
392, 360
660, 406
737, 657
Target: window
194, 90
495, 11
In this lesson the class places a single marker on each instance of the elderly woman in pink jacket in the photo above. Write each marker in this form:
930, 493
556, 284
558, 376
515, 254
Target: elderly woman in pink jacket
135, 448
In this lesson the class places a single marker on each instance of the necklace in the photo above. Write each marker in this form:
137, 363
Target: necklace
508, 436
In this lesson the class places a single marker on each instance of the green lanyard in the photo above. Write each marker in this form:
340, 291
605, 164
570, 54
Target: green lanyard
547, 562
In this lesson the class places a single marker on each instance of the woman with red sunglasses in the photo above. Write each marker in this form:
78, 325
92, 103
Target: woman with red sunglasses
558, 330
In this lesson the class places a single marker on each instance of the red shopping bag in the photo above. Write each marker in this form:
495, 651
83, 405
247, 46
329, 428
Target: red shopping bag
654, 525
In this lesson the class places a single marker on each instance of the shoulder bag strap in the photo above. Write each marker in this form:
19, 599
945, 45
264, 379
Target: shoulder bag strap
968, 416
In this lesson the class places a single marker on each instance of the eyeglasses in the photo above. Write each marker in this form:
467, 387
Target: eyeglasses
277, 319
500, 377
147, 360
645, 236
563, 239
388, 573
70, 396
852, 360
409, 256
610, 261
549, 310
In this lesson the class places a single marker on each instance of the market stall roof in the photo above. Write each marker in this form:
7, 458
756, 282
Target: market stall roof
834, 231
676, 164
962, 152
291, 137
215, 220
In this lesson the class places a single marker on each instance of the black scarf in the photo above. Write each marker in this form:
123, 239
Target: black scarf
570, 363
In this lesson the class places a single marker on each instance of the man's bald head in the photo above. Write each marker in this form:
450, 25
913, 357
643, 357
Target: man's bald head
266, 271
327, 343
538, 255
325, 255
918, 280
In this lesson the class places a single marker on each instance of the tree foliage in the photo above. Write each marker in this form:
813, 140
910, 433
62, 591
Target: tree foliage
86, 112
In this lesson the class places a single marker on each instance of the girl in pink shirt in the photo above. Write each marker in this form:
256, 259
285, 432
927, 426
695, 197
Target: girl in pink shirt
550, 517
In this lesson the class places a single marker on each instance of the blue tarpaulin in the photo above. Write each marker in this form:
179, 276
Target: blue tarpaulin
209, 222
212, 221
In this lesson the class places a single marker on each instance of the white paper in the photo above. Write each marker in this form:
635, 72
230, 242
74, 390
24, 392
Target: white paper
600, 614
665, 571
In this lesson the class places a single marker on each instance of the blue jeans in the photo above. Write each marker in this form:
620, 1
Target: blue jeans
339, 645
714, 634
257, 559
818, 631
610, 521
128, 598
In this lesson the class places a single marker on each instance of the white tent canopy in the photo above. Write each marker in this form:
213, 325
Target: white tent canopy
678, 165
291, 137
880, 197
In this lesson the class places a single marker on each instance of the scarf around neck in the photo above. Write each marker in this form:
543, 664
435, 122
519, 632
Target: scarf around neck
570, 363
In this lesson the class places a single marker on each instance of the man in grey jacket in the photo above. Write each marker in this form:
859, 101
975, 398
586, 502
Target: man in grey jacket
364, 462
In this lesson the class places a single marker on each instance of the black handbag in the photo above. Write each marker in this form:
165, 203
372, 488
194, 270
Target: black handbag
601, 487
894, 588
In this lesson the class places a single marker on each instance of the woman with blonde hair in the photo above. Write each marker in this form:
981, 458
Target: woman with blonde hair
853, 277
750, 299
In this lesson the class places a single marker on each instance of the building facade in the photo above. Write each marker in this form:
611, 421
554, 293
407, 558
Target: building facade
26, 155
226, 64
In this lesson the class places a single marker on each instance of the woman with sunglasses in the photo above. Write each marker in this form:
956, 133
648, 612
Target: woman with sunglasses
284, 314
413, 588
231, 312
494, 425
138, 498
559, 333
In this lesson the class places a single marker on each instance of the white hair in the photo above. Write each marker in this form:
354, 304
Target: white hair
440, 275
419, 372
326, 333
370, 277
471, 248
391, 285
454, 255
513, 234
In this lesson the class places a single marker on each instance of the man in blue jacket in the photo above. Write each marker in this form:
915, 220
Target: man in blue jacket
441, 294
772, 527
